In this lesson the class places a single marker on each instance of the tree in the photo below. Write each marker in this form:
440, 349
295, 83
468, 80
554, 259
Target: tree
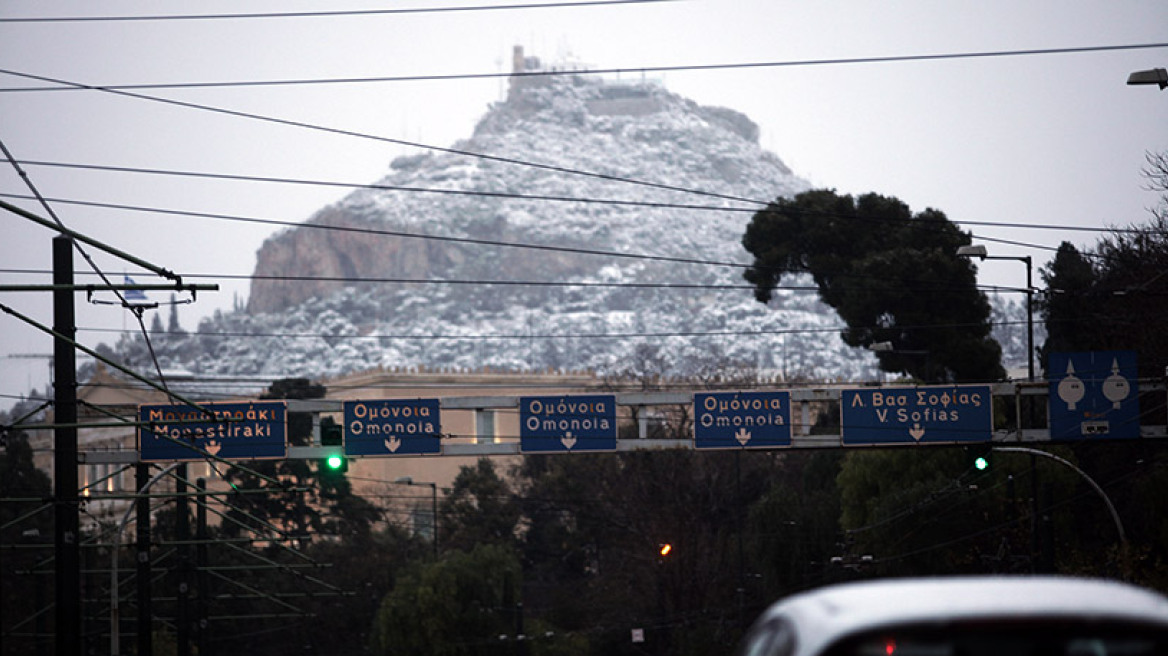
23, 490
893, 276
1069, 278
795, 526
1156, 173
479, 509
919, 511
451, 607
1110, 297
593, 528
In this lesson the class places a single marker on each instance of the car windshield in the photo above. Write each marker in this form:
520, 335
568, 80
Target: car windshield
1061, 638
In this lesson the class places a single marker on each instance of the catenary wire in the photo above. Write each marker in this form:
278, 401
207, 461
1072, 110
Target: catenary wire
490, 242
563, 169
138, 314
361, 135
390, 233
381, 187
330, 13
490, 194
643, 70
612, 335
563, 283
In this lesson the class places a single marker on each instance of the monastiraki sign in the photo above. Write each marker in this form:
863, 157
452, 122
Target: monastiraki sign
240, 431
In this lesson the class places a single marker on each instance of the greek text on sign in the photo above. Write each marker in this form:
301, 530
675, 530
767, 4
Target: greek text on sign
909, 415
567, 423
742, 420
242, 431
392, 427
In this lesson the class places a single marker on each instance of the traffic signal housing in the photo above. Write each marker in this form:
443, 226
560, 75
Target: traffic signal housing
332, 435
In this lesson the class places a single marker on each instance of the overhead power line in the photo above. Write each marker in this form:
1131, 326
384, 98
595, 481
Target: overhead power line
644, 70
553, 283
381, 187
494, 194
489, 242
398, 142
533, 335
329, 14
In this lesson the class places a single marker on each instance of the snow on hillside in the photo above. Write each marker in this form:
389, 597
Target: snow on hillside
616, 132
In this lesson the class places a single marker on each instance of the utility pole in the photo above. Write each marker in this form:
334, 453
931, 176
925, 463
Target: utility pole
66, 541
182, 534
145, 606
204, 580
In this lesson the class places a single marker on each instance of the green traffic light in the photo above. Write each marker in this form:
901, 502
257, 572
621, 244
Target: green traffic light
981, 463
335, 462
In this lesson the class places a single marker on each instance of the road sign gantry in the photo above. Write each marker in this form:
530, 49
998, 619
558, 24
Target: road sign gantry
803, 406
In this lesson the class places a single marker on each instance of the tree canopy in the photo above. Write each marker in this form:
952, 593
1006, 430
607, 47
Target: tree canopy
892, 275
1111, 297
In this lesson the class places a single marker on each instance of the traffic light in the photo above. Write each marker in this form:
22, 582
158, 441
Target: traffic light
336, 463
980, 457
664, 550
331, 434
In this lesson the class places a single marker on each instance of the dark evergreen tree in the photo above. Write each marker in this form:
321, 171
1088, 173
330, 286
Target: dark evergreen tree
480, 508
451, 607
893, 276
1069, 279
24, 568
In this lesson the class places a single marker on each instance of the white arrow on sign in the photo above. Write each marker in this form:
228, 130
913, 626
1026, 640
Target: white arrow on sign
916, 432
568, 441
393, 443
743, 436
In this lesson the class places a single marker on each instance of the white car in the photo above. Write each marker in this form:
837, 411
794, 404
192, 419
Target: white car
965, 616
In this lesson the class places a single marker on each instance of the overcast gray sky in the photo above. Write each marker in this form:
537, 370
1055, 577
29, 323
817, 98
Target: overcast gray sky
1037, 140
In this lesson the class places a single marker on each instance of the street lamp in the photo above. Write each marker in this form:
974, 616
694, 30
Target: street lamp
979, 251
408, 480
1158, 76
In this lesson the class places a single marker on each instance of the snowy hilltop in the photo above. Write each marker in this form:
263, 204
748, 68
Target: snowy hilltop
565, 171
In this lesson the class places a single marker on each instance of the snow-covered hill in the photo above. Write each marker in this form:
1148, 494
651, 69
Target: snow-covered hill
615, 132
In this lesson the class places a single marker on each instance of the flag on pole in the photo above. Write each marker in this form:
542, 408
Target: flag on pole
134, 296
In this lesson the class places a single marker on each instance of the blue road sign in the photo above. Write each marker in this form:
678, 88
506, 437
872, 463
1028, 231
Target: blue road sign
561, 424
244, 431
392, 427
912, 415
742, 420
1094, 395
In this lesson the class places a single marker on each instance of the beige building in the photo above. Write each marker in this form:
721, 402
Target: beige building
478, 408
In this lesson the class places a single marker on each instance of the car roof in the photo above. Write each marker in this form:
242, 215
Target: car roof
823, 616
